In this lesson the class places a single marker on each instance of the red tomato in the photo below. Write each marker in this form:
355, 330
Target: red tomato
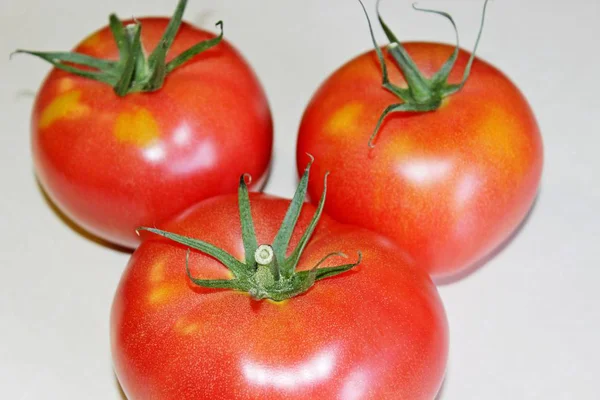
376, 332
447, 185
115, 163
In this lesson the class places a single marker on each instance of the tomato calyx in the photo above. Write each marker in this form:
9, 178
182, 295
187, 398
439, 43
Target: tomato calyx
133, 72
422, 94
266, 272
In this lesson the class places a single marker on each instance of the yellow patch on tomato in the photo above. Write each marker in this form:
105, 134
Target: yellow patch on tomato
160, 294
65, 85
184, 328
344, 119
138, 127
499, 138
445, 102
279, 303
92, 40
400, 144
157, 272
64, 106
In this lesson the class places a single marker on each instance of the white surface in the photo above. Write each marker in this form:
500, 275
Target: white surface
526, 326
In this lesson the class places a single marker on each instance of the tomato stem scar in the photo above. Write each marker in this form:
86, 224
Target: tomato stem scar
264, 255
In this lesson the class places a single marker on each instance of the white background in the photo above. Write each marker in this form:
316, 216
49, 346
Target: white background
525, 326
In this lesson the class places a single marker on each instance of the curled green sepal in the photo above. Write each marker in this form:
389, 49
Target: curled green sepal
266, 272
133, 72
422, 94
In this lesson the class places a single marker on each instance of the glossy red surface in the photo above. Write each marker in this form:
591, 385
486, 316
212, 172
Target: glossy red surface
376, 332
113, 164
450, 185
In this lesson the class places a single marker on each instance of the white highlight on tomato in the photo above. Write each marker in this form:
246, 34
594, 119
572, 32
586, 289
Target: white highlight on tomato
467, 187
315, 369
202, 155
155, 153
355, 385
425, 171
182, 135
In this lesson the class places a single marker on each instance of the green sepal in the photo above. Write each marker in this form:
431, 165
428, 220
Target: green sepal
440, 77
118, 31
451, 89
209, 283
236, 267
422, 94
64, 61
282, 239
157, 60
198, 48
133, 72
73, 58
292, 262
132, 50
401, 93
328, 272
275, 276
246, 222
417, 83
405, 107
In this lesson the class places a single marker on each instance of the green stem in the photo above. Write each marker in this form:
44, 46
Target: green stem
265, 257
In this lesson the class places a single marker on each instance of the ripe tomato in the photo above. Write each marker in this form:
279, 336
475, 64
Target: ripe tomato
448, 185
114, 163
376, 332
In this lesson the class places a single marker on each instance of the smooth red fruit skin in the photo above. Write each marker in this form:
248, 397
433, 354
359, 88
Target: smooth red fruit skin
448, 186
376, 332
113, 164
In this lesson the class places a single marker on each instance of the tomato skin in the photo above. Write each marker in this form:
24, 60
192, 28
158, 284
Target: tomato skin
448, 186
115, 163
376, 332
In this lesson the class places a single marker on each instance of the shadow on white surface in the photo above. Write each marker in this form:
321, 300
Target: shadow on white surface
119, 388
76, 228
440, 394
475, 267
